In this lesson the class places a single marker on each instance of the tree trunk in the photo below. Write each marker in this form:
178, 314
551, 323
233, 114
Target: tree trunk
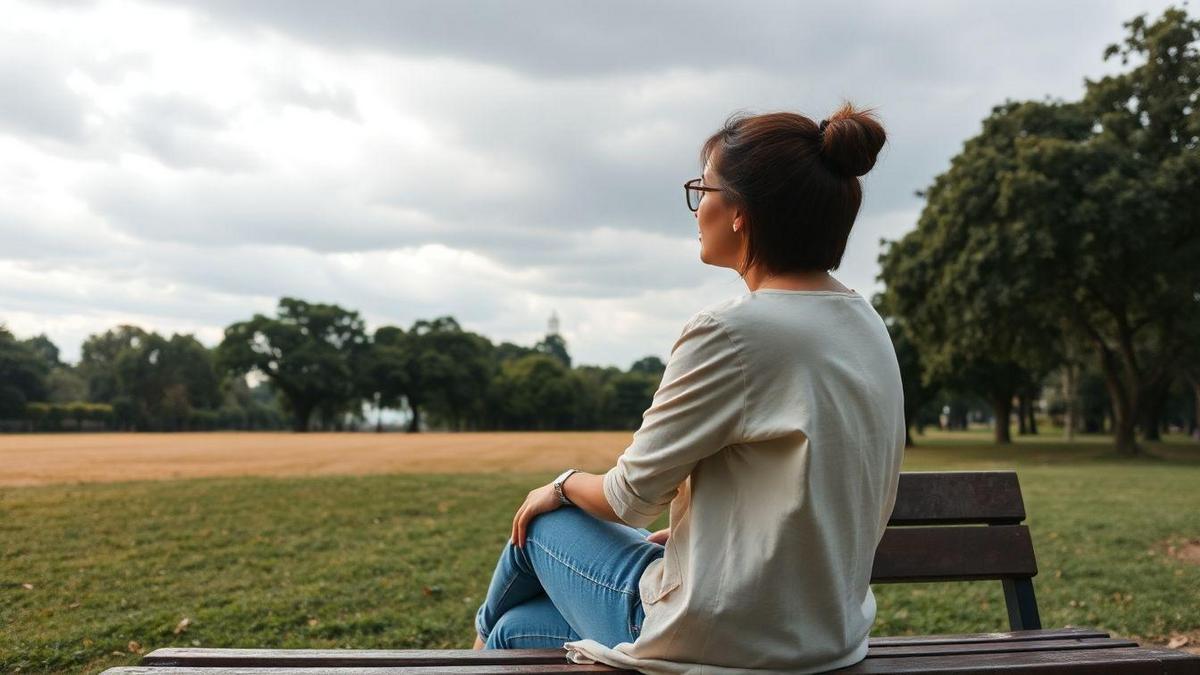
1002, 410
1022, 406
414, 424
1196, 422
300, 421
1124, 421
1152, 409
908, 439
1069, 378
1032, 410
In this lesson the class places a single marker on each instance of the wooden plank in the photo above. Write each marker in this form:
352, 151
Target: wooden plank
1100, 661
1043, 634
247, 658
999, 647
184, 655
1135, 660
540, 669
304, 658
954, 553
958, 497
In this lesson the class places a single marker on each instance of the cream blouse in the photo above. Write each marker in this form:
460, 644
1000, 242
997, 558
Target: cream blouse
775, 438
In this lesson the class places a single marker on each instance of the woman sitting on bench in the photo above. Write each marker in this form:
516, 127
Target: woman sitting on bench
775, 439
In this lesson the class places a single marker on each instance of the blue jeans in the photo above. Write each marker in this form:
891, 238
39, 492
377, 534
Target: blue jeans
576, 577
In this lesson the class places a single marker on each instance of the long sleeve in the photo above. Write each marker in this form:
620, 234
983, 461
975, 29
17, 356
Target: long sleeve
698, 408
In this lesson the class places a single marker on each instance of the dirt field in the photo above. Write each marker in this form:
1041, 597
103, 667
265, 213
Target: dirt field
39, 459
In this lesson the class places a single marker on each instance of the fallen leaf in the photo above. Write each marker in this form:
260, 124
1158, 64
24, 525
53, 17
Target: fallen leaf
1177, 641
313, 621
135, 647
182, 625
28, 587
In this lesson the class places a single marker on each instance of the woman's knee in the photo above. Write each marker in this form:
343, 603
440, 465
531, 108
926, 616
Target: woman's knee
531, 625
563, 520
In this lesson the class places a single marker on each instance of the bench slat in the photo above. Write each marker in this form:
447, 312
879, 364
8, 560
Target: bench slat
1099, 661
420, 658
184, 655
1096, 661
511, 669
954, 553
1043, 634
958, 497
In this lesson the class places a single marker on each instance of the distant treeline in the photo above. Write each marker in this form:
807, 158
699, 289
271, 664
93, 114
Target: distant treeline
315, 365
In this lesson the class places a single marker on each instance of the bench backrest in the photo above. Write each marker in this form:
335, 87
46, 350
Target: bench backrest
961, 526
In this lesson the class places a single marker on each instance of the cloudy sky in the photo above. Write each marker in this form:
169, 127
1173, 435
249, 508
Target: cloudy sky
181, 166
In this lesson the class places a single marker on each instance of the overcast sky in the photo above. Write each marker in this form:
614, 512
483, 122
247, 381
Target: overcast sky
181, 166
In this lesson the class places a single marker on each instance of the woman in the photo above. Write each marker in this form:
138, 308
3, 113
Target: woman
775, 438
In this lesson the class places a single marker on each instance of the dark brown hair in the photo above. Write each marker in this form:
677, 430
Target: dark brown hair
796, 181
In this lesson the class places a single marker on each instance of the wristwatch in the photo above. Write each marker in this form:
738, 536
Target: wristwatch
558, 485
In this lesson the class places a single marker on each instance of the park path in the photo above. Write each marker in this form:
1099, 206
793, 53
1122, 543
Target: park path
41, 459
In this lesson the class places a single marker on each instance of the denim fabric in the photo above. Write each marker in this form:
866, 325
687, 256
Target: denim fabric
576, 577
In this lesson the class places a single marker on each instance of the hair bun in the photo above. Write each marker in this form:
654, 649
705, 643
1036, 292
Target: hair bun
851, 140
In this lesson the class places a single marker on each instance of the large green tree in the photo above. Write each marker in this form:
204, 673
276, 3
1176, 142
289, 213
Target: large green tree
1120, 205
312, 353
1066, 219
958, 286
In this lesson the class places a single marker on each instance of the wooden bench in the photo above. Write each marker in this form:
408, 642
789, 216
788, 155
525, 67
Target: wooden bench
946, 526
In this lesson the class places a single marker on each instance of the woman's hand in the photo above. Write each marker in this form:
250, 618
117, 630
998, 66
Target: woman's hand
537, 502
660, 537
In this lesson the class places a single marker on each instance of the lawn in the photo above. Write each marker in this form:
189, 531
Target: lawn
92, 575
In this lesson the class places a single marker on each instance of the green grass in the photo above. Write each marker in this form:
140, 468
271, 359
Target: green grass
403, 561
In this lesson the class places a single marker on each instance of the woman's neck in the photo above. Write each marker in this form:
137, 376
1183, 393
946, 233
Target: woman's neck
817, 280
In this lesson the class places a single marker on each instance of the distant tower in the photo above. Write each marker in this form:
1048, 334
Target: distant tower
552, 325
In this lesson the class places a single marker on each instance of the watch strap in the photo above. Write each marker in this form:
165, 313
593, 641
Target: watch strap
558, 485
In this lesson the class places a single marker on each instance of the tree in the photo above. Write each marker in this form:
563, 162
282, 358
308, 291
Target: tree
386, 371
916, 391
554, 345
1118, 201
1071, 218
98, 361
22, 375
449, 371
312, 354
649, 365
45, 348
958, 284
165, 379
537, 392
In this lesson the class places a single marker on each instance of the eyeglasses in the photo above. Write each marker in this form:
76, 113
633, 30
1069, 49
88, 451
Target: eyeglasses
694, 192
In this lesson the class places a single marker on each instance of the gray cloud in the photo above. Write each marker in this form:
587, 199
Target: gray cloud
487, 160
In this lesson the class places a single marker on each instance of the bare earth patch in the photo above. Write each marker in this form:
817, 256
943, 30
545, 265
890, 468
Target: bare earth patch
1188, 551
40, 459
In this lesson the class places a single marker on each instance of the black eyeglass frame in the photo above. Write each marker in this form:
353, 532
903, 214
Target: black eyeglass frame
693, 184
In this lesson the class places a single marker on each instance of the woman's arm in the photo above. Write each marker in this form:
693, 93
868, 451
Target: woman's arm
586, 490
